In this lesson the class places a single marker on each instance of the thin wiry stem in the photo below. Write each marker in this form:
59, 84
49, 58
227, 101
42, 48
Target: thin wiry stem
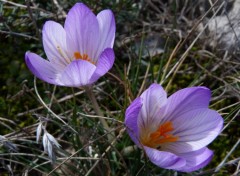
108, 148
18, 34
60, 8
44, 104
67, 97
96, 116
89, 143
226, 157
33, 19
98, 111
176, 67
144, 80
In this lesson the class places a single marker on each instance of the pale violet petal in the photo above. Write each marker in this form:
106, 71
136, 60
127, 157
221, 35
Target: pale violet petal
82, 31
77, 74
185, 100
41, 68
107, 29
153, 99
131, 117
104, 64
54, 43
164, 159
196, 160
195, 129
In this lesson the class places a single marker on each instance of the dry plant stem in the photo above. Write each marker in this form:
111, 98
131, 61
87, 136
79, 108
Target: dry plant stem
144, 81
67, 97
230, 121
169, 61
25, 7
200, 20
218, 78
46, 106
33, 19
95, 116
97, 108
60, 159
108, 148
235, 104
128, 91
226, 157
180, 44
20, 163
45, 126
181, 60
212, 171
89, 143
18, 34
60, 8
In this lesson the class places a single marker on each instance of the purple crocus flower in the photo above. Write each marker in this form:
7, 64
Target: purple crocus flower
174, 131
78, 54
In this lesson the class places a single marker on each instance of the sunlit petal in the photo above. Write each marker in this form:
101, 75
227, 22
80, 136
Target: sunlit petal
104, 64
54, 43
185, 100
107, 29
196, 160
164, 159
77, 74
41, 68
153, 99
131, 116
82, 30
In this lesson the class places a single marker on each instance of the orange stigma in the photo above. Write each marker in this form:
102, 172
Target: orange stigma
160, 136
85, 57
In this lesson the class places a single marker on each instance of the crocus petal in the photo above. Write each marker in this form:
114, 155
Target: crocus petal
164, 159
54, 43
185, 100
77, 74
153, 99
131, 116
196, 160
41, 68
195, 129
104, 64
107, 29
82, 30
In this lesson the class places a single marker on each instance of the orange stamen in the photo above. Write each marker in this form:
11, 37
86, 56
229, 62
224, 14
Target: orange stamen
77, 55
85, 57
160, 136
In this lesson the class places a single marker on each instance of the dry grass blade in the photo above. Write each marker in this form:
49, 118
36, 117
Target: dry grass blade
45, 105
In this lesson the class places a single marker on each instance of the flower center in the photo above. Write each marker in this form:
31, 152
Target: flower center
85, 57
160, 136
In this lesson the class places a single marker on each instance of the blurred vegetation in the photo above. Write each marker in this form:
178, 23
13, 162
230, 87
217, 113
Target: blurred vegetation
138, 24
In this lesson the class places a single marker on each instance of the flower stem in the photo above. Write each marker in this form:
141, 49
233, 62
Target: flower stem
98, 110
